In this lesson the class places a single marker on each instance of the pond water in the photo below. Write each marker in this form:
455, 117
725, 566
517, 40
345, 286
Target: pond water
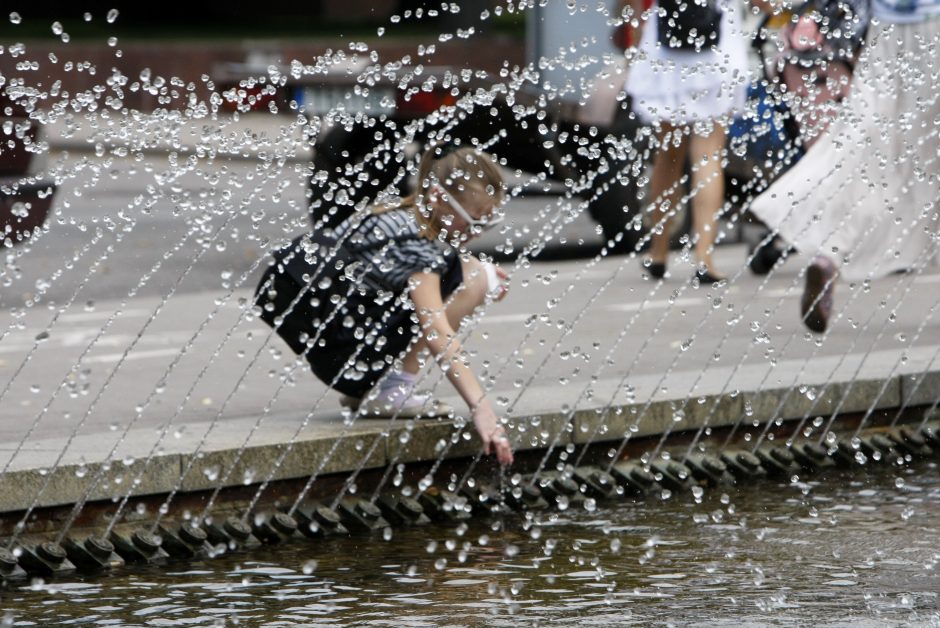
850, 548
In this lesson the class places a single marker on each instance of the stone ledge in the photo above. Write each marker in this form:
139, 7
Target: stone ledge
376, 443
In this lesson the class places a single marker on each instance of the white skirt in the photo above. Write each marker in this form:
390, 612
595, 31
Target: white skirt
867, 194
684, 87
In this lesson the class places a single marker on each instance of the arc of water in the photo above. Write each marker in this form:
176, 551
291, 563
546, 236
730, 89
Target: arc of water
476, 460
191, 461
179, 409
199, 448
629, 371
300, 497
53, 277
901, 359
401, 448
472, 466
701, 374
41, 290
754, 184
905, 401
817, 398
121, 360
868, 232
75, 367
19, 252
627, 437
288, 447
705, 423
669, 369
828, 383
584, 449
71, 300
648, 404
141, 408
48, 404
267, 408
828, 426
59, 311
398, 454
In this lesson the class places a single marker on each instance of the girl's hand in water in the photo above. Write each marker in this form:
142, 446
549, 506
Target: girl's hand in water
494, 437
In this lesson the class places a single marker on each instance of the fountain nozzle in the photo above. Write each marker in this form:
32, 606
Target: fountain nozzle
45, 559
94, 553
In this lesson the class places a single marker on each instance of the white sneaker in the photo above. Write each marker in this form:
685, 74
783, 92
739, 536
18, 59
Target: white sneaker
395, 402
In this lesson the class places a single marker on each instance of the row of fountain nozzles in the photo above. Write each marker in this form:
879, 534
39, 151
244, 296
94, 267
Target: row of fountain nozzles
562, 490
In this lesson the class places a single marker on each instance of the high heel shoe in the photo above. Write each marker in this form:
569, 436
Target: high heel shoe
656, 270
706, 278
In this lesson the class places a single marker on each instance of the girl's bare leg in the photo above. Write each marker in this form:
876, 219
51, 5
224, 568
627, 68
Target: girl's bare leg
667, 169
708, 179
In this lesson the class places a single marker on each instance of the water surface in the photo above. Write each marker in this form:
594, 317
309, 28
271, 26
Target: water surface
850, 548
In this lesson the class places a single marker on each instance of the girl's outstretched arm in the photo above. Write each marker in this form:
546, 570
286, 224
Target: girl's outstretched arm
439, 337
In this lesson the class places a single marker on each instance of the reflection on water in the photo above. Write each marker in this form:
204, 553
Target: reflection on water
858, 548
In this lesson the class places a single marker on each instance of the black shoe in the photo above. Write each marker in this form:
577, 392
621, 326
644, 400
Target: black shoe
656, 270
765, 257
705, 277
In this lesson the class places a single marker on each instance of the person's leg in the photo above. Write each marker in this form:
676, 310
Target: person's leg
395, 393
458, 308
668, 163
708, 181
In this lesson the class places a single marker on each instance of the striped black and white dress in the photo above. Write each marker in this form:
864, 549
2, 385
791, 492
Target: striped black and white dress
377, 324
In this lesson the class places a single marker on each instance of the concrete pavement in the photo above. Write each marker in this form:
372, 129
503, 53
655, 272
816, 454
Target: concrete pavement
123, 335
151, 383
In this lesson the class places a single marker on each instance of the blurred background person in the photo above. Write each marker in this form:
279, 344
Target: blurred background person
863, 201
688, 78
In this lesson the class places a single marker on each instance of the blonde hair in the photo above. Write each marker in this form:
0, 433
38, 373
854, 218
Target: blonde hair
461, 171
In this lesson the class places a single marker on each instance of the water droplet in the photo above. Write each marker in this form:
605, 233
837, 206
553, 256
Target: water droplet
15, 18
309, 567
112, 16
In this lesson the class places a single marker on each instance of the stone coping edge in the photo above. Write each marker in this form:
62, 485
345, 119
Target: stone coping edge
397, 442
